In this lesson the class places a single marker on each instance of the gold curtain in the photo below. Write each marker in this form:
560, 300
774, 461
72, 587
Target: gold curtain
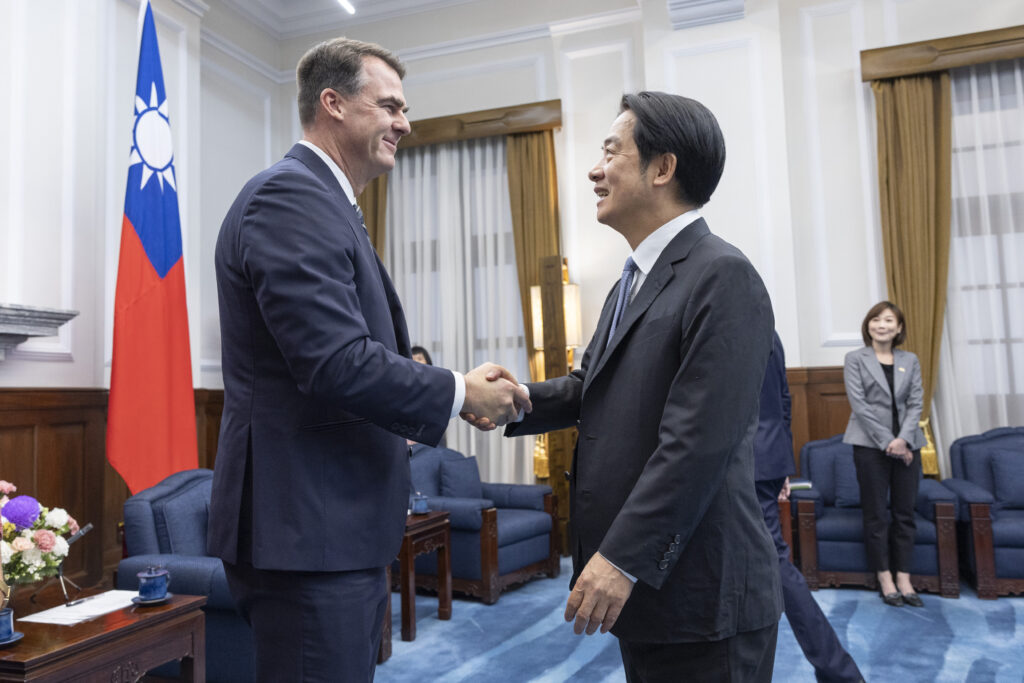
914, 116
533, 192
374, 201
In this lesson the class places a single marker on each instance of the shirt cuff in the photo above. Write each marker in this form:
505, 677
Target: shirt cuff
632, 579
522, 413
460, 394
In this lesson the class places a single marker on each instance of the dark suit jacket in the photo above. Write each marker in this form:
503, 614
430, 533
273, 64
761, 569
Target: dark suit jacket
663, 475
319, 395
773, 445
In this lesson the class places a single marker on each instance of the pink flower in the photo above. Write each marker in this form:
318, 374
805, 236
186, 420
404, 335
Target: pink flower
21, 543
72, 525
7, 487
45, 539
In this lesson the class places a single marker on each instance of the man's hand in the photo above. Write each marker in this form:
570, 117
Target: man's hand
493, 397
598, 596
784, 493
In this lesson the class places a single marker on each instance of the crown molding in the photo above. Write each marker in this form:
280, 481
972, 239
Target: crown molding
596, 21
196, 7
214, 40
451, 47
283, 27
688, 13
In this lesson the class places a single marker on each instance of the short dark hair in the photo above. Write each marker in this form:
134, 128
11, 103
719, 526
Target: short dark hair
876, 311
672, 124
426, 354
336, 64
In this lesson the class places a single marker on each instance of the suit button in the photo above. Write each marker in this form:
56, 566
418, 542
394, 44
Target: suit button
677, 539
672, 547
567, 477
663, 565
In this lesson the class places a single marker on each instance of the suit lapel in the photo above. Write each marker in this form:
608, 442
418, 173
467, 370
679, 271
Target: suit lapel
346, 211
899, 371
661, 274
875, 368
364, 250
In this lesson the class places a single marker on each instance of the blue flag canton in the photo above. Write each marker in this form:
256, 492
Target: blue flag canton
151, 198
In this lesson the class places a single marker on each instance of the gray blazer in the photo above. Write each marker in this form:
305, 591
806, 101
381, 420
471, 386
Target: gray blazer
871, 401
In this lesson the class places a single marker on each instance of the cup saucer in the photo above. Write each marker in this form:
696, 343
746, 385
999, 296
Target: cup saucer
155, 601
15, 637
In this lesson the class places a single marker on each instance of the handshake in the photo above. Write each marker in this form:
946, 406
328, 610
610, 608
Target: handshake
493, 397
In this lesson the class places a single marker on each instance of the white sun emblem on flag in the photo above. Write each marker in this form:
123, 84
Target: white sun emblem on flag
151, 141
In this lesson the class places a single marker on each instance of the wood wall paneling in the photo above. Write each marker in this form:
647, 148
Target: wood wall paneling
820, 408
51, 447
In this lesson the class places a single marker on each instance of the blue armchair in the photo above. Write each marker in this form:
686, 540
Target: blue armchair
501, 534
831, 531
165, 526
988, 479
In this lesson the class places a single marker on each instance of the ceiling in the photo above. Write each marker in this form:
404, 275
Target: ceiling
293, 18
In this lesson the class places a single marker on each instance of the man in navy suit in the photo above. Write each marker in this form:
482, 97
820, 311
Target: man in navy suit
669, 549
773, 462
320, 394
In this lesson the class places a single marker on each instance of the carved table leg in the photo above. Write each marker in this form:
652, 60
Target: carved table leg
406, 559
444, 575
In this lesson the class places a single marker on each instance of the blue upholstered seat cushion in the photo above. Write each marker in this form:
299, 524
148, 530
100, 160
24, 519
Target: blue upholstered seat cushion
1008, 477
1008, 529
516, 525
847, 488
841, 524
461, 478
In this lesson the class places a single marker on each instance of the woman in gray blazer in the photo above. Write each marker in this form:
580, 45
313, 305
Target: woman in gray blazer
884, 387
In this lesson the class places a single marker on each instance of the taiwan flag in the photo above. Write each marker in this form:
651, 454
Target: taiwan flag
151, 425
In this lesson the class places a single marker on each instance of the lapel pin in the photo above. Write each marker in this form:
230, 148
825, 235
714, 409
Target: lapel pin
903, 370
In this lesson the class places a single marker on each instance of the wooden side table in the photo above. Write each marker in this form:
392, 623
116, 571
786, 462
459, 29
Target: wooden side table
118, 646
423, 534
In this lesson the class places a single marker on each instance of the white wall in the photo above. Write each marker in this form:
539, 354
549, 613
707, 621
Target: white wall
798, 194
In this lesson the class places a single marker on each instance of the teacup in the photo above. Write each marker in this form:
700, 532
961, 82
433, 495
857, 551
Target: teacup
418, 504
153, 583
6, 624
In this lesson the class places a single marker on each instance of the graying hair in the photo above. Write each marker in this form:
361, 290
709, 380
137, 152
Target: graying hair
336, 64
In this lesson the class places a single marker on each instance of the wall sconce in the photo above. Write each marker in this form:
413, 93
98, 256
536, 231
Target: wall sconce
571, 309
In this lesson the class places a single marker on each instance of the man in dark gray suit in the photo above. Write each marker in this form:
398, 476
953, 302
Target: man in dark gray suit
670, 551
320, 394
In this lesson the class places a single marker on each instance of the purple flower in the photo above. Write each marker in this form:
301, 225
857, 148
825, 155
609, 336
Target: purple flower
22, 511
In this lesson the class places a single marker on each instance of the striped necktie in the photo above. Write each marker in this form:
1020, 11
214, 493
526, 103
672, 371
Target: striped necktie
625, 284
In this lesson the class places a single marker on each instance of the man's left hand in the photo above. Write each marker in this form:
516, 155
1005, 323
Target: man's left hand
598, 596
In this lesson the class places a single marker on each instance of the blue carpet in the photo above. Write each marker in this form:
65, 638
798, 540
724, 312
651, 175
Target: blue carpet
524, 638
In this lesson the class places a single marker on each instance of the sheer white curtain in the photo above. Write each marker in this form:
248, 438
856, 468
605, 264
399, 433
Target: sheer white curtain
981, 368
451, 255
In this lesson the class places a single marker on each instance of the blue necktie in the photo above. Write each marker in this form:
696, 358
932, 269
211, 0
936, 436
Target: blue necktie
625, 284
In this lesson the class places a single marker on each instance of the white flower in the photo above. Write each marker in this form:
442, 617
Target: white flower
5, 552
56, 518
33, 557
60, 547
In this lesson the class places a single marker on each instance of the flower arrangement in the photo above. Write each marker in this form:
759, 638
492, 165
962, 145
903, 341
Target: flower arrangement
33, 544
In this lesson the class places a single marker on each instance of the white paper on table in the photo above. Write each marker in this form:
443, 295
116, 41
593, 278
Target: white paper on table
94, 606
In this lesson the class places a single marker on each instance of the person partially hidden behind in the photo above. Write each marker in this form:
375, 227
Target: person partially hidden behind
670, 551
311, 482
883, 385
773, 463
